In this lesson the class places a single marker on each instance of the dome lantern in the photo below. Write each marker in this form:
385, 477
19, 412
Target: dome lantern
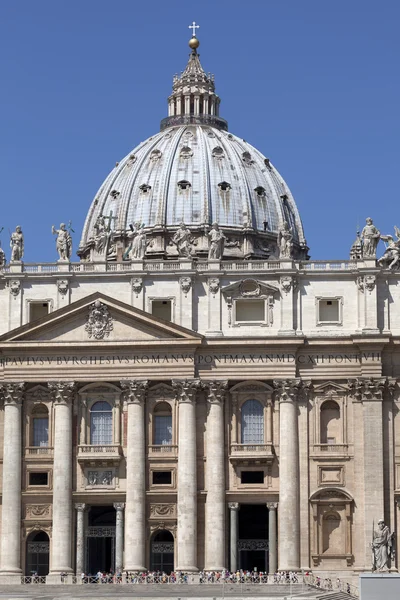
193, 99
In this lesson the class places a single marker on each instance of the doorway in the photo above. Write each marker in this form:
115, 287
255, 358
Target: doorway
162, 552
100, 540
37, 554
253, 537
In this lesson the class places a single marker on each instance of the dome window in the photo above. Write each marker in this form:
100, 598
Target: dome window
224, 186
246, 157
260, 191
145, 188
218, 152
186, 152
114, 194
184, 185
155, 155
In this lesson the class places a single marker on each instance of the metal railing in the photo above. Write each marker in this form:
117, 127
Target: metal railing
325, 583
33, 579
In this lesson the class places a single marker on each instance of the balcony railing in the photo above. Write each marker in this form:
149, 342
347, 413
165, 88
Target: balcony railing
256, 453
94, 452
331, 448
164, 450
39, 452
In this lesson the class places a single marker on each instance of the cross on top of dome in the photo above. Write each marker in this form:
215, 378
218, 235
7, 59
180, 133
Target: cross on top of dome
193, 27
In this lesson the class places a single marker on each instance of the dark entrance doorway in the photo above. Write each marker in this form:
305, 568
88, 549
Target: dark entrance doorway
162, 552
37, 554
100, 540
253, 537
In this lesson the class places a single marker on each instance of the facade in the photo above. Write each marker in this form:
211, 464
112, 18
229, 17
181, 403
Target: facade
195, 393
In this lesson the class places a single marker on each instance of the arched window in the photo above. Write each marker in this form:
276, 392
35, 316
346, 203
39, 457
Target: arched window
252, 422
331, 535
101, 424
330, 423
40, 426
162, 424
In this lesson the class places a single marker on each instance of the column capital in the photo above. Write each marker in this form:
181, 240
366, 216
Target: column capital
367, 389
134, 390
272, 505
288, 390
12, 393
234, 505
80, 507
119, 505
185, 390
62, 392
216, 391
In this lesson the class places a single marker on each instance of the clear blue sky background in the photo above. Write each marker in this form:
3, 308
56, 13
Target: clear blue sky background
313, 84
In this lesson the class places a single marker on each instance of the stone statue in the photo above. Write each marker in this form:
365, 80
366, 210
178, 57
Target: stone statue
137, 247
370, 237
17, 244
382, 544
391, 256
285, 241
101, 231
182, 240
217, 242
63, 242
2, 258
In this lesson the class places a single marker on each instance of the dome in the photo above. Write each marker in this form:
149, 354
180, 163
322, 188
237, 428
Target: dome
193, 172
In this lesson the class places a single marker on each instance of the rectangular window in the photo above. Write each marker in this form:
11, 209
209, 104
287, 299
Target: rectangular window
163, 430
252, 477
38, 478
37, 310
162, 309
40, 431
248, 311
329, 310
162, 477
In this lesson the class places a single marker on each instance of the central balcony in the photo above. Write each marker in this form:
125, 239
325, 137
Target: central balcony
251, 454
95, 454
35, 453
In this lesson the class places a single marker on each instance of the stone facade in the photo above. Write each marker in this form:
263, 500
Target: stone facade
171, 405
325, 467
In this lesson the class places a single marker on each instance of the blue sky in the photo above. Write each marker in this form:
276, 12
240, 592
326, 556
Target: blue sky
313, 84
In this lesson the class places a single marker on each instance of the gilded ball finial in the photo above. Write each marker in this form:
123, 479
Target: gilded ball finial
194, 43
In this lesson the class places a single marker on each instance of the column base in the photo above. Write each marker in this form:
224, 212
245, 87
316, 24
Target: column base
55, 577
133, 569
187, 569
10, 578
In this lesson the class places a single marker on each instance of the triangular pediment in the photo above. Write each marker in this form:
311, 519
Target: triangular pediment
249, 288
330, 386
99, 319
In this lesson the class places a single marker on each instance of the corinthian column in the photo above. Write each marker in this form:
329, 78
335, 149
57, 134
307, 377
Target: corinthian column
289, 506
187, 475
119, 532
61, 556
11, 495
215, 478
80, 539
134, 393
